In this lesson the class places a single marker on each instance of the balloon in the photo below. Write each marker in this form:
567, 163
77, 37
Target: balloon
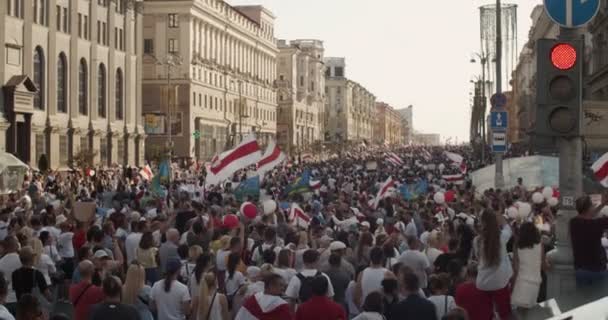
512, 212
450, 196
249, 210
547, 192
269, 206
553, 201
441, 167
230, 221
538, 198
439, 198
556, 193
524, 210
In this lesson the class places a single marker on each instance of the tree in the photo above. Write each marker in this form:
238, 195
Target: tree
83, 159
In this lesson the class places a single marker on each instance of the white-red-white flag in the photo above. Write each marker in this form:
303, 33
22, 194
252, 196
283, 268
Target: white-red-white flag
457, 161
243, 155
146, 173
315, 184
263, 306
600, 170
383, 192
298, 217
394, 159
426, 155
454, 178
271, 158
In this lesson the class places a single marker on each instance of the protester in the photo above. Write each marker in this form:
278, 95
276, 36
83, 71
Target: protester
136, 293
299, 289
84, 294
267, 305
111, 307
373, 309
414, 306
169, 297
529, 260
319, 306
4, 313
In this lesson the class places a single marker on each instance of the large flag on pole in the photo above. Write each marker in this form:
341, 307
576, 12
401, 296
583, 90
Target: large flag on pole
243, 155
298, 217
457, 161
146, 173
271, 158
600, 170
394, 159
249, 187
382, 192
301, 184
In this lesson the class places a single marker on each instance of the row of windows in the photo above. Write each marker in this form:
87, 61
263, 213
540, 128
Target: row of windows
64, 148
214, 103
83, 86
62, 19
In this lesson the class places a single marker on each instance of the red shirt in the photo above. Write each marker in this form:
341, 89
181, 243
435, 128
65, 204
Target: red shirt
79, 239
474, 301
91, 296
320, 308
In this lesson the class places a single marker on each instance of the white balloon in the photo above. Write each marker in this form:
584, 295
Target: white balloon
439, 198
512, 212
524, 210
553, 201
547, 192
537, 197
269, 206
441, 167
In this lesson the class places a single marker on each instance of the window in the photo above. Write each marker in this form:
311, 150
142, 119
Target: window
86, 28
328, 72
63, 150
200, 100
15, 8
339, 72
84, 143
216, 104
149, 46
39, 77
115, 38
40, 145
301, 80
103, 150
40, 12
80, 25
98, 31
101, 91
62, 84
119, 96
57, 16
205, 101
66, 27
173, 46
83, 88
120, 151
104, 33
173, 20
121, 39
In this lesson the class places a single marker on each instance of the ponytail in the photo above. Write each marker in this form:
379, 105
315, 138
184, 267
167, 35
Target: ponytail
168, 281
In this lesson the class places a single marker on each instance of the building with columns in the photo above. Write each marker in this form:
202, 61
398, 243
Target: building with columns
407, 123
301, 95
219, 62
349, 107
388, 125
71, 80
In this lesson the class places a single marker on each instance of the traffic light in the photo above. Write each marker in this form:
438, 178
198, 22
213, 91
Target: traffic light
559, 90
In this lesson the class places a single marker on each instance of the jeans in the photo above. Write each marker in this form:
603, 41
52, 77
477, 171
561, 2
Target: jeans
585, 278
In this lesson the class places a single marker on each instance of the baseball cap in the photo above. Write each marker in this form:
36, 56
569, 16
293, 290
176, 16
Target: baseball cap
101, 254
337, 245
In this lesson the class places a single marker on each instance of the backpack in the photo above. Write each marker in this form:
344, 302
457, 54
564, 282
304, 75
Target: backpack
305, 286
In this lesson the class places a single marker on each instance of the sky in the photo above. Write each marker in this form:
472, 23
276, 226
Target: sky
405, 52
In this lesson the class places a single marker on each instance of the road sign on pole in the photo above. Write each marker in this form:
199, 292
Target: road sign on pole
499, 142
498, 120
572, 13
498, 100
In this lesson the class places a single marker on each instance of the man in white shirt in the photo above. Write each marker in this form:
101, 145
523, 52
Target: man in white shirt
416, 260
311, 259
9, 263
132, 242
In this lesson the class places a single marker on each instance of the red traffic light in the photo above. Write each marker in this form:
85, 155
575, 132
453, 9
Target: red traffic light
563, 56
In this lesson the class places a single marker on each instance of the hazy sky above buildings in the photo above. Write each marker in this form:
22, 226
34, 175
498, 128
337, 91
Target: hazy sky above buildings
404, 51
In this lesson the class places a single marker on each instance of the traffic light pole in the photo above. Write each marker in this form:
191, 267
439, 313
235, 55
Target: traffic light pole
499, 179
561, 276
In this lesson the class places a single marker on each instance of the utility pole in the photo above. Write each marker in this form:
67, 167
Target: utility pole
499, 180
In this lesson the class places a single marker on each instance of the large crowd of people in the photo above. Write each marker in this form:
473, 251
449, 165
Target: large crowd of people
429, 247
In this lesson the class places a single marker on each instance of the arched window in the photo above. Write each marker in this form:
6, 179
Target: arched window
101, 91
83, 87
62, 84
39, 77
119, 95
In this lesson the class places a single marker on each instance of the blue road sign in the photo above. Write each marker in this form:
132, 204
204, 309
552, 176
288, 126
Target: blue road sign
499, 142
572, 13
498, 120
498, 100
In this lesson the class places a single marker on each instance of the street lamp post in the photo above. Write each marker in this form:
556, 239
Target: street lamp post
483, 59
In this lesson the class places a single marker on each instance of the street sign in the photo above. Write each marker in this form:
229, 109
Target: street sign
498, 100
572, 13
499, 142
498, 120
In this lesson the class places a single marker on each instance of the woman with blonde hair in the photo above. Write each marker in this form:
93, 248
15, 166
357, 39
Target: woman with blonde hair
135, 291
42, 262
211, 305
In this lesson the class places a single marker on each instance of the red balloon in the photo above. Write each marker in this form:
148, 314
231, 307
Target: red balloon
556, 193
249, 210
450, 196
230, 221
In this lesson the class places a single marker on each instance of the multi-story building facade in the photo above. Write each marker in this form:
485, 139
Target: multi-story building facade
407, 122
71, 80
349, 107
388, 126
429, 139
219, 62
301, 94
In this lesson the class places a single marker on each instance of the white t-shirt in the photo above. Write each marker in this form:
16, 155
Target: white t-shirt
259, 251
65, 245
169, 304
131, 244
52, 252
371, 280
220, 259
432, 254
5, 314
233, 284
440, 304
286, 274
293, 288
187, 270
46, 266
9, 263
418, 262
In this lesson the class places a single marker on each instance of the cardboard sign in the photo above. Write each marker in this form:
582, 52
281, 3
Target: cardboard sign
371, 166
84, 211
